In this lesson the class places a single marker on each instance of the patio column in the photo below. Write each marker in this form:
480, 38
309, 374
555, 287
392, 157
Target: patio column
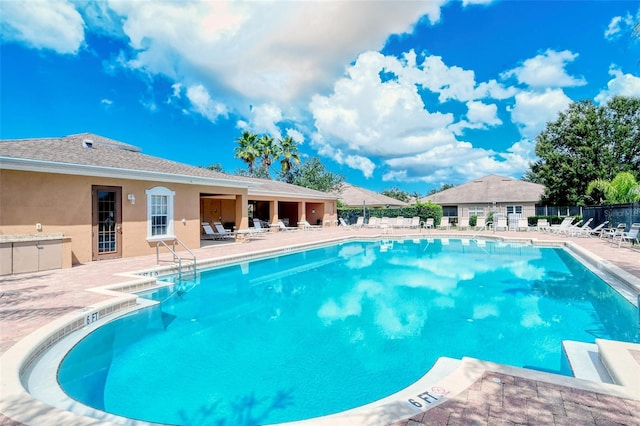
273, 208
242, 211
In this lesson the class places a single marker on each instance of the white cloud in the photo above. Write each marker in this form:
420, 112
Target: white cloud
621, 84
618, 26
372, 117
269, 52
481, 115
546, 70
41, 24
533, 110
203, 104
264, 119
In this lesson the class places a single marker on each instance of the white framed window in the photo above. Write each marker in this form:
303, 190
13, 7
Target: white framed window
514, 209
159, 213
476, 211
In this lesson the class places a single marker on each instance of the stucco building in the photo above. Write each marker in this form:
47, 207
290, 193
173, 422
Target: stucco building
109, 200
489, 194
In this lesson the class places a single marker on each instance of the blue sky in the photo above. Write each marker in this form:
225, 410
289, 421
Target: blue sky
409, 94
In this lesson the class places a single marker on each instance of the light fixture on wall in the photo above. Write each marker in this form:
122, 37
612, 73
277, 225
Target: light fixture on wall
131, 198
313, 211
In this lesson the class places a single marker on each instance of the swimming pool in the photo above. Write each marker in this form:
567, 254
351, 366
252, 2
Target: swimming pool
325, 330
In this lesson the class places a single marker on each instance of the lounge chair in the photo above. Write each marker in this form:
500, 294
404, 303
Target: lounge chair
283, 227
611, 232
580, 231
501, 224
398, 222
480, 223
463, 223
257, 226
563, 226
631, 236
598, 230
360, 222
428, 224
307, 226
223, 233
209, 233
444, 223
523, 224
542, 225
373, 222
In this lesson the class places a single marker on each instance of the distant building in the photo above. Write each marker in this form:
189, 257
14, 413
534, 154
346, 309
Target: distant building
490, 194
355, 196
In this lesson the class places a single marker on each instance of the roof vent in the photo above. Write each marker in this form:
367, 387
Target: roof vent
87, 143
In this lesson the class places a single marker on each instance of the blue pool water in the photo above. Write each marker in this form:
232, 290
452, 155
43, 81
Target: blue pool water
325, 330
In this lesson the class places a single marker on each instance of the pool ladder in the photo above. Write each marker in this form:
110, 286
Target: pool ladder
176, 258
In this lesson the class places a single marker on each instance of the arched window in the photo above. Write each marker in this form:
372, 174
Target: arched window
159, 213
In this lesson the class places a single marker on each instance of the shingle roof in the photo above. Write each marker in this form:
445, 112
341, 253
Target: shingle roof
489, 189
110, 156
355, 196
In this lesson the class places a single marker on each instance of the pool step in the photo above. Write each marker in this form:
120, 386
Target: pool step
584, 360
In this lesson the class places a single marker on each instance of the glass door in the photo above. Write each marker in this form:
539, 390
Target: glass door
107, 222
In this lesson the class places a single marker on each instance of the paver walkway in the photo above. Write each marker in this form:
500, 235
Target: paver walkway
29, 301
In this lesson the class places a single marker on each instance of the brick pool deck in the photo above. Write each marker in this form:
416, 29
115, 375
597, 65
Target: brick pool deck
30, 301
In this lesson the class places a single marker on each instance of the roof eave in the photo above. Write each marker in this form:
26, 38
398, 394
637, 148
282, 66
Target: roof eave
263, 192
30, 165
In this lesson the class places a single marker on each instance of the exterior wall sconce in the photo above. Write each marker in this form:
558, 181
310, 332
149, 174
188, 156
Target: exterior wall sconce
184, 221
313, 211
131, 198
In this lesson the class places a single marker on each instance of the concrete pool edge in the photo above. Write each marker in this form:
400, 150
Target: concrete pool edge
427, 393
19, 405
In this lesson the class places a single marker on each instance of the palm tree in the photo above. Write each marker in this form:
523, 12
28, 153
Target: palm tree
287, 148
266, 151
247, 149
624, 188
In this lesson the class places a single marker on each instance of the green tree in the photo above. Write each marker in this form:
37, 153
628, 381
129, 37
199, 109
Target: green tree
444, 186
624, 188
266, 150
247, 149
287, 149
217, 167
313, 174
397, 193
586, 143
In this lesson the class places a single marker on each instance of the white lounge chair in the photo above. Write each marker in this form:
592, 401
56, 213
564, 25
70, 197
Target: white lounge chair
209, 233
611, 232
563, 226
542, 225
480, 223
415, 222
444, 223
501, 224
580, 231
598, 230
257, 226
523, 224
428, 224
283, 227
463, 223
373, 222
631, 236
223, 233
360, 222
307, 226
